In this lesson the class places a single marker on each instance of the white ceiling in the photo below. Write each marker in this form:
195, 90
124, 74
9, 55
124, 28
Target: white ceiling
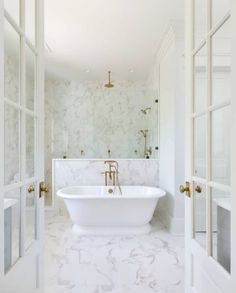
98, 35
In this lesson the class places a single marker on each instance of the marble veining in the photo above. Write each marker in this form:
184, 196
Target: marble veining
117, 264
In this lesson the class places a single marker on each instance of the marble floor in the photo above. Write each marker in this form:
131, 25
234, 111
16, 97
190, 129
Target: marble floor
117, 264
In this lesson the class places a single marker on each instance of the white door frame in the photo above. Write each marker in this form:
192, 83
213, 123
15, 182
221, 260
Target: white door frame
36, 248
215, 275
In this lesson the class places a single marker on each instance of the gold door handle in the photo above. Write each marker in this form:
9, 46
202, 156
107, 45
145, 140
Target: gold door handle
198, 189
43, 188
185, 189
30, 189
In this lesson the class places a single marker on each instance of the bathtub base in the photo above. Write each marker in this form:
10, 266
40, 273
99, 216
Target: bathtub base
117, 230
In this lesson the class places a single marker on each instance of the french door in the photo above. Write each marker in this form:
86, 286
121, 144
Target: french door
211, 146
21, 145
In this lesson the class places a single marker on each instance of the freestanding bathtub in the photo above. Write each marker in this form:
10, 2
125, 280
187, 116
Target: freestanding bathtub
94, 211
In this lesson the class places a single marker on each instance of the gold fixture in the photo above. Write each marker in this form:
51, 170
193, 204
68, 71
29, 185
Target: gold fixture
109, 84
109, 175
147, 151
110, 190
144, 132
43, 188
31, 188
112, 174
185, 189
198, 189
145, 111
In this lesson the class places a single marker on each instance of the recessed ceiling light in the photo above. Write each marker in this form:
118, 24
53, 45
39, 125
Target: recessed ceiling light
87, 70
131, 71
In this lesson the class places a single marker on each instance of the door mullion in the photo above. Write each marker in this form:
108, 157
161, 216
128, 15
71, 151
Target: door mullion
208, 133
1, 140
23, 127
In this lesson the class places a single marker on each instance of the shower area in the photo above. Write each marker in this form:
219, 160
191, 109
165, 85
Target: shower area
110, 119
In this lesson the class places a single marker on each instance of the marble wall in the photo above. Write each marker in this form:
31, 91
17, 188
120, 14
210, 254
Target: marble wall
86, 120
86, 116
88, 172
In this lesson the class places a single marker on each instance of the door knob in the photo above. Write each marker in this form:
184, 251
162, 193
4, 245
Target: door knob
198, 189
31, 189
185, 189
43, 188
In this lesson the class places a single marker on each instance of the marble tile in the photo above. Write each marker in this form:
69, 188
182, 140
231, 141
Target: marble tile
117, 264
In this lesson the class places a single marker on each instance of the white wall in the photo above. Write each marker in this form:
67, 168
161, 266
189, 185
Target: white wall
168, 74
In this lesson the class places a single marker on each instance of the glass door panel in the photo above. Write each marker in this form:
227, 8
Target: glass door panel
221, 67
30, 214
11, 63
221, 216
11, 144
200, 80
200, 147
200, 21
221, 145
30, 78
30, 146
13, 8
200, 212
12, 238
219, 9
30, 20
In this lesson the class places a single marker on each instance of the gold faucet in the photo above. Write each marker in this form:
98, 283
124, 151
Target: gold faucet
112, 174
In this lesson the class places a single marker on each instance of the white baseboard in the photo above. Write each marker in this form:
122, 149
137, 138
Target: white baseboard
174, 225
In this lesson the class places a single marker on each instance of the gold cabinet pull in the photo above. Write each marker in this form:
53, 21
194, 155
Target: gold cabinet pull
31, 189
185, 189
198, 189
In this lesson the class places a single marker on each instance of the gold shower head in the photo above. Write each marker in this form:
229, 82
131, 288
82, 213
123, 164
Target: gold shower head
109, 84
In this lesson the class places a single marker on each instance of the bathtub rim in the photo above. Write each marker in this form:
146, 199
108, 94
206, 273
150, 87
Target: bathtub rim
157, 193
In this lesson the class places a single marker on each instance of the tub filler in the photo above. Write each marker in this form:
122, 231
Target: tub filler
96, 211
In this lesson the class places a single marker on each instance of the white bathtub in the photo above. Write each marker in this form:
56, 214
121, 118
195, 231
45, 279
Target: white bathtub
94, 211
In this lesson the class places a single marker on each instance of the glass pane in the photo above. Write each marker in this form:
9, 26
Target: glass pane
11, 144
200, 21
221, 64
221, 145
200, 214
221, 209
11, 63
219, 9
200, 80
11, 228
200, 147
30, 215
30, 78
13, 8
30, 137
30, 20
